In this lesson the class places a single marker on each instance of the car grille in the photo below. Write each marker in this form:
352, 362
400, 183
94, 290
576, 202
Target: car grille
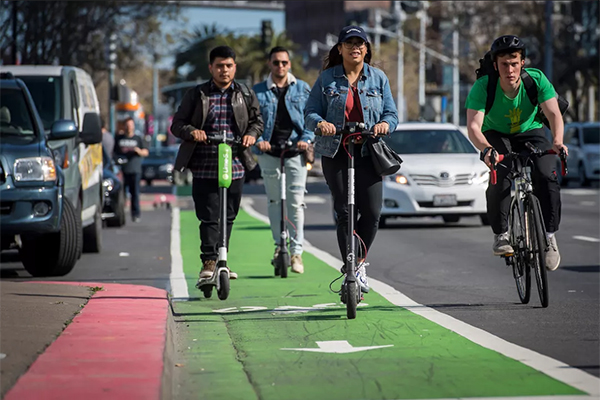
431, 180
6, 207
429, 204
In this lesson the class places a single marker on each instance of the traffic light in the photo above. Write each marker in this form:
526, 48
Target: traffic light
112, 51
266, 34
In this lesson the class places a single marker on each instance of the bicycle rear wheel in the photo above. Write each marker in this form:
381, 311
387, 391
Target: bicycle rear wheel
521, 271
537, 235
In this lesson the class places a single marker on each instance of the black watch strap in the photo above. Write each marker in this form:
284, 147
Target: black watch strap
484, 153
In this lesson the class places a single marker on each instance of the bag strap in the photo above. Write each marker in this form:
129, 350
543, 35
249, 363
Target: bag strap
530, 87
247, 96
491, 91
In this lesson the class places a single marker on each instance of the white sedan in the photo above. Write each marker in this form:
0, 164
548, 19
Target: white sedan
441, 174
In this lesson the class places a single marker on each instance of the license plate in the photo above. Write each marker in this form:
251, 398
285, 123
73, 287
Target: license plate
444, 200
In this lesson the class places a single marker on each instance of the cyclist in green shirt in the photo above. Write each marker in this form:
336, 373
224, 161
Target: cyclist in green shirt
510, 123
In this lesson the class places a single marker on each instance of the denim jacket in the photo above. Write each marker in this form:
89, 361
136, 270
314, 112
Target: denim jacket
327, 101
295, 100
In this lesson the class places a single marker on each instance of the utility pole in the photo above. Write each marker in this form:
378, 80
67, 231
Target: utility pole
455, 72
423, 25
14, 32
155, 100
548, 52
400, 17
112, 58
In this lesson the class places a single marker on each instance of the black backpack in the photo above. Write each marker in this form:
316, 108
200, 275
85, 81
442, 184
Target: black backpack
486, 67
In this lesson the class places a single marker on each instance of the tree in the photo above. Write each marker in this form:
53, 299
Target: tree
75, 33
250, 53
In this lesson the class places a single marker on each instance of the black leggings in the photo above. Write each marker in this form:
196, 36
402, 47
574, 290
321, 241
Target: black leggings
368, 197
543, 174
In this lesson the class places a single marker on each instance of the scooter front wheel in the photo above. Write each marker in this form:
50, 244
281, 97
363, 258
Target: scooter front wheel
352, 293
284, 263
223, 291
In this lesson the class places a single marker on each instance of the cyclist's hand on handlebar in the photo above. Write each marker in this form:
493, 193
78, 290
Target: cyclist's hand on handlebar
327, 128
199, 135
248, 140
302, 145
264, 146
381, 129
557, 147
488, 158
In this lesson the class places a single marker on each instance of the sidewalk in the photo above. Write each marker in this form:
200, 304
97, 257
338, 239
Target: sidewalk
113, 347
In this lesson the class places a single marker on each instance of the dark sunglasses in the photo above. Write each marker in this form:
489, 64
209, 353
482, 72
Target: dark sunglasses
277, 62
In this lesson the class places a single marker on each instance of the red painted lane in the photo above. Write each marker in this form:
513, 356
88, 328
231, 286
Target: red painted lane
113, 349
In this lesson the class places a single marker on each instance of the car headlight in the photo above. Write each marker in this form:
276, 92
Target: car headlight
168, 168
481, 178
34, 169
108, 184
400, 179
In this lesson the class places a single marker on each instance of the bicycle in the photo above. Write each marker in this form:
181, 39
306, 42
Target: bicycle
283, 260
220, 277
527, 233
350, 293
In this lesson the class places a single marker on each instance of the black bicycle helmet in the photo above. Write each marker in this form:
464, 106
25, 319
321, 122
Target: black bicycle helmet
507, 44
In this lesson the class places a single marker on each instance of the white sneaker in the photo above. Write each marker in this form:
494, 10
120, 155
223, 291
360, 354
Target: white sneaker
361, 277
552, 255
501, 245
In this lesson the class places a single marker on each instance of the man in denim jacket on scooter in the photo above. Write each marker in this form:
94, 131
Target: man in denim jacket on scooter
282, 98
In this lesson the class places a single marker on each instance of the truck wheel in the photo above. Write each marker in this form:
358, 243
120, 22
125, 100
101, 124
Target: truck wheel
52, 254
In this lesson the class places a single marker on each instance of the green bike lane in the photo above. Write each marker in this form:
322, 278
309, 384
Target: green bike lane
277, 338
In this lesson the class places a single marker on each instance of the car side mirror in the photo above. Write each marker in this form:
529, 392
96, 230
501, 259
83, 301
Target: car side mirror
63, 129
91, 132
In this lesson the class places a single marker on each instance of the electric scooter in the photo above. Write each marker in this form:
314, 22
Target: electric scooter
350, 292
220, 277
283, 260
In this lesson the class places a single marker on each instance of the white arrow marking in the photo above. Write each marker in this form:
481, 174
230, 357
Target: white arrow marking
339, 346
586, 239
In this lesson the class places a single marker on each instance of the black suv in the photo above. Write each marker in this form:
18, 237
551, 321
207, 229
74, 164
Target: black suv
35, 216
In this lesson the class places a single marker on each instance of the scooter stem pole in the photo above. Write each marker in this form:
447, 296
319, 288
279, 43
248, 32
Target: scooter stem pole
351, 256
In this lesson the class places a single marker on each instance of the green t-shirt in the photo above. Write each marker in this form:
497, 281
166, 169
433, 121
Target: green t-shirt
506, 115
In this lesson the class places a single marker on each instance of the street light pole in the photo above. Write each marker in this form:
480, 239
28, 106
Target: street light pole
112, 58
423, 22
455, 73
400, 16
14, 32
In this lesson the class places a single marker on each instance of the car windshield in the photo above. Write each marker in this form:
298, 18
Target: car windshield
46, 94
591, 135
15, 117
428, 141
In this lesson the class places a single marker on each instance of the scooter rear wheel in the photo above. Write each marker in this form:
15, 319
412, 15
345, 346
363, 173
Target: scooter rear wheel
223, 291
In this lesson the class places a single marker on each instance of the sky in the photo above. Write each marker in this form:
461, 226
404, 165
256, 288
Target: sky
243, 21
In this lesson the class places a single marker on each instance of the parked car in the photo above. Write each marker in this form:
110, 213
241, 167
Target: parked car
441, 174
64, 92
583, 141
159, 164
113, 208
35, 215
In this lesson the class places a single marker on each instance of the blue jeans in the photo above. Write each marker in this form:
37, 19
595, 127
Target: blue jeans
295, 171
132, 183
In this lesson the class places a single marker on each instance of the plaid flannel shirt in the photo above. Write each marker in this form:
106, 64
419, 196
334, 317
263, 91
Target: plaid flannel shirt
205, 163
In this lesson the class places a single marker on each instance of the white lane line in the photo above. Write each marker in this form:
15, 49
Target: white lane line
579, 192
179, 289
587, 203
586, 239
553, 368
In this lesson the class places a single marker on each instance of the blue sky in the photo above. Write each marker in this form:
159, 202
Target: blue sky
243, 21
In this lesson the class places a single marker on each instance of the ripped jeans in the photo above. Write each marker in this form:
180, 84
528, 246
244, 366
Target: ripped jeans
295, 171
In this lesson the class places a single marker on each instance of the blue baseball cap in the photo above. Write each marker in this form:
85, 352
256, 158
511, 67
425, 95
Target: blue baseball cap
352, 31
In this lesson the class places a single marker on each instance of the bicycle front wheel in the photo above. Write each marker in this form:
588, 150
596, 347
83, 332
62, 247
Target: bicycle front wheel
537, 246
521, 270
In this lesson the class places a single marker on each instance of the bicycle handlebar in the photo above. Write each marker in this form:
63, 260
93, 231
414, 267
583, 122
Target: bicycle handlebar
534, 152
